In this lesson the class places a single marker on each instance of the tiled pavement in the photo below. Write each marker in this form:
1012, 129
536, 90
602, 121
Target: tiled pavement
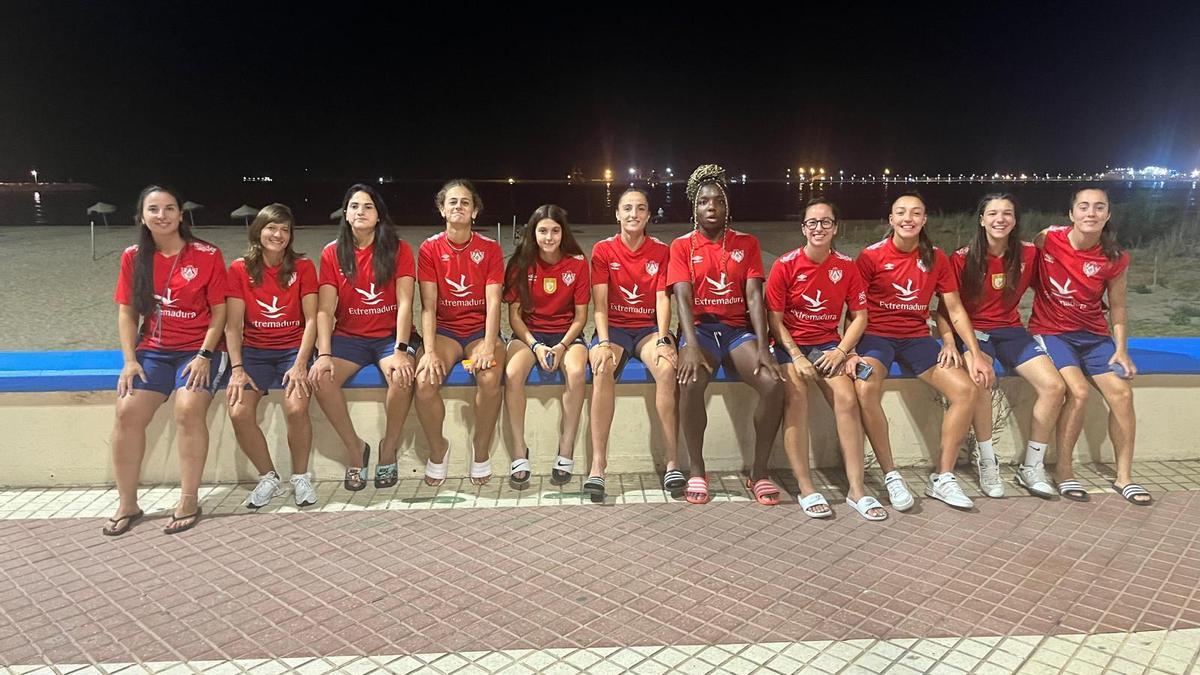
417, 579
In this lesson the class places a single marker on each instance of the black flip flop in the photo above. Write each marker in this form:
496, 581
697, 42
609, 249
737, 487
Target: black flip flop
195, 518
674, 481
128, 520
1133, 490
595, 486
1073, 490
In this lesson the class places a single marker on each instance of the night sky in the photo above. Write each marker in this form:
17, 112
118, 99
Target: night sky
118, 91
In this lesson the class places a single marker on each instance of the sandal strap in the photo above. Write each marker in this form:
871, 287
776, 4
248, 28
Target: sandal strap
697, 484
867, 503
481, 469
812, 500
594, 480
764, 486
673, 474
1070, 486
437, 471
1133, 489
386, 470
519, 465
563, 464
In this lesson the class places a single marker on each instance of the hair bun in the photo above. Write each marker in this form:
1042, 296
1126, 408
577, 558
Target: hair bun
705, 173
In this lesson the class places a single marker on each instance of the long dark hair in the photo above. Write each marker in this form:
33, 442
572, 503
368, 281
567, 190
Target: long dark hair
1108, 236
924, 243
143, 262
977, 252
387, 241
271, 213
516, 273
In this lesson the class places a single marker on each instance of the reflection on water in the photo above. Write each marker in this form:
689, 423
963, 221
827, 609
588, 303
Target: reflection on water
39, 216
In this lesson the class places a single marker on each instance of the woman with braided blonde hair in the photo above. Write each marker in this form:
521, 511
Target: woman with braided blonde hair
716, 274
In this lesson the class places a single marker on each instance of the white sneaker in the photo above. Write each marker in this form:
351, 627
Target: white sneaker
302, 489
1033, 478
898, 494
945, 487
269, 486
989, 478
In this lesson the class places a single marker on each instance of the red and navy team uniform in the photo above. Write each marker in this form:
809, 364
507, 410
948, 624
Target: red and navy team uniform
554, 291
186, 286
718, 272
994, 314
811, 296
365, 322
1068, 305
634, 278
274, 322
462, 274
900, 288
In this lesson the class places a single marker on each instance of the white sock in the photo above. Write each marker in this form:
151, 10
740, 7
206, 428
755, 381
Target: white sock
986, 453
1035, 454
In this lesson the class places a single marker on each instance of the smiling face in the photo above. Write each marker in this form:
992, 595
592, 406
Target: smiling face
459, 207
907, 218
362, 214
820, 226
998, 219
275, 238
1090, 211
161, 214
633, 212
549, 237
712, 211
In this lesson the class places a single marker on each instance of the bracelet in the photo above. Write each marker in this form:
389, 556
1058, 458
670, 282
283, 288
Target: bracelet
533, 347
664, 341
605, 343
320, 355
236, 365
843, 351
564, 345
205, 354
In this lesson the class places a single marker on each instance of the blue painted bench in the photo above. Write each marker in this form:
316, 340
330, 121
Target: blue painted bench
98, 370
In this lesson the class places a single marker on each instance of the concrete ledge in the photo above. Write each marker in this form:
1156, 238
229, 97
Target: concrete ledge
62, 437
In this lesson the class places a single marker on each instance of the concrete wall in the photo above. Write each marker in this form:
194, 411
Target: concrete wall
63, 438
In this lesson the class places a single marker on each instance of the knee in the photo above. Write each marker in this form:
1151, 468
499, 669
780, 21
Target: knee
488, 381
295, 413
190, 419
1120, 398
1077, 397
845, 400
427, 391
243, 415
964, 392
1054, 391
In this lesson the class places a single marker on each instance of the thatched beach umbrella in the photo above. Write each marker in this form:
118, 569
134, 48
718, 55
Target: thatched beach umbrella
188, 208
245, 213
336, 216
102, 209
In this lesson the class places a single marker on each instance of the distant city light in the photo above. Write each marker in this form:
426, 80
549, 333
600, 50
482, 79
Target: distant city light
670, 172
512, 181
608, 175
632, 171
34, 174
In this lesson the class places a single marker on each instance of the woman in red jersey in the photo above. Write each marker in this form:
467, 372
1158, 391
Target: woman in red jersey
270, 333
174, 284
461, 274
546, 286
993, 272
717, 276
1081, 265
633, 319
902, 273
806, 291
364, 316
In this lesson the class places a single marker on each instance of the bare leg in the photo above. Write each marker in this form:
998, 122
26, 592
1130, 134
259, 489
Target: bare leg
487, 403
959, 390
1051, 390
431, 410
190, 409
602, 406
516, 370
769, 411
695, 417
299, 431
795, 433
874, 421
1122, 426
332, 400
574, 366
134, 413
665, 402
244, 418
1070, 423
839, 393
397, 403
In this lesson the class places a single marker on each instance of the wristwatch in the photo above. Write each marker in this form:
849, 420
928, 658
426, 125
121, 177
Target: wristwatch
204, 353
405, 347
664, 341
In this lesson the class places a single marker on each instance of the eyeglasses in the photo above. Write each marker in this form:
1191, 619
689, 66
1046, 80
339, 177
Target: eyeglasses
823, 223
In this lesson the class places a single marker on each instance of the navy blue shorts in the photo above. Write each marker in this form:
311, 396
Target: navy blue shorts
1011, 346
1087, 351
915, 355
164, 370
265, 366
785, 358
462, 341
366, 351
628, 340
553, 339
718, 340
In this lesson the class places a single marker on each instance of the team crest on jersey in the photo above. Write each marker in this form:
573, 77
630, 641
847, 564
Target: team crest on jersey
862, 297
549, 285
737, 254
189, 272
998, 281
476, 256
835, 275
1091, 268
568, 278
652, 267
922, 266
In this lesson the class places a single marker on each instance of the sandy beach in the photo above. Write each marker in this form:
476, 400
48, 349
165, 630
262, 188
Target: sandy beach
55, 297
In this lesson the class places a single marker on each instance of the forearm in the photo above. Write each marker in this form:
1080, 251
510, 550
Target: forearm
683, 305
216, 328
783, 339
854, 332
127, 331
662, 309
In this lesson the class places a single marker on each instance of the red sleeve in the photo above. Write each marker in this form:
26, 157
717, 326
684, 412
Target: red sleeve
866, 267
600, 264
123, 295
405, 267
512, 294
754, 266
308, 277
330, 272
665, 264
946, 281
426, 269
958, 263
495, 269
1121, 264
583, 291
233, 280
217, 281
677, 265
777, 286
856, 290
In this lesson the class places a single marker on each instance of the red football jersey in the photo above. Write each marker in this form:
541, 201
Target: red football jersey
365, 309
718, 272
462, 274
186, 285
811, 296
633, 279
900, 288
1070, 287
555, 290
993, 308
274, 315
